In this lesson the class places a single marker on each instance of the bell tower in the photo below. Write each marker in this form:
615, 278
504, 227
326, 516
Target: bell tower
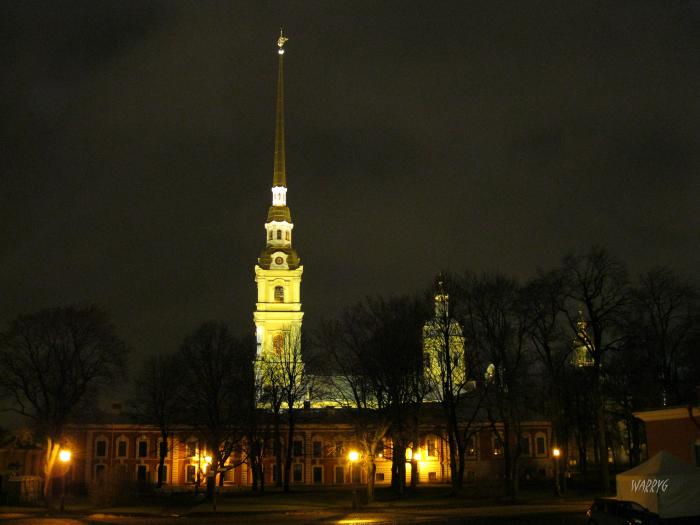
278, 312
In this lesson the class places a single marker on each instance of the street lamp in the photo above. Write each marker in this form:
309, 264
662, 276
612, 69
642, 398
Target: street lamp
64, 457
353, 457
555, 454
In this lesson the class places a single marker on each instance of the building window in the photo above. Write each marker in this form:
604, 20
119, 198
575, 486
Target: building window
230, 475
297, 448
279, 235
339, 475
355, 471
432, 476
279, 294
100, 473
143, 448
101, 448
121, 448
191, 474
275, 473
317, 449
431, 447
141, 473
471, 446
496, 445
338, 449
298, 473
525, 445
540, 444
286, 235
379, 476
278, 343
191, 449
318, 474
270, 235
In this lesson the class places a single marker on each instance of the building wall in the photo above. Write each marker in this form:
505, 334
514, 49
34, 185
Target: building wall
677, 436
96, 457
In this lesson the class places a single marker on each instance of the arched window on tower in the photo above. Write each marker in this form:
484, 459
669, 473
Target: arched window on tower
279, 235
278, 344
270, 235
279, 294
286, 235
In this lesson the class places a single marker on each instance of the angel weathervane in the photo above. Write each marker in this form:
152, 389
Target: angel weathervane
280, 42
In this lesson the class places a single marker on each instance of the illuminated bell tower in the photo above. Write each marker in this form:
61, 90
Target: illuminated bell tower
278, 312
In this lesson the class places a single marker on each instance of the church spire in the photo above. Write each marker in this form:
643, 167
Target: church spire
279, 178
278, 252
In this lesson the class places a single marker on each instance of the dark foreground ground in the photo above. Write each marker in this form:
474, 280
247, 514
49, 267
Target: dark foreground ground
429, 505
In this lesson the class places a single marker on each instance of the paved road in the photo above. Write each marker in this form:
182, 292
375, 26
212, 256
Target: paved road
492, 517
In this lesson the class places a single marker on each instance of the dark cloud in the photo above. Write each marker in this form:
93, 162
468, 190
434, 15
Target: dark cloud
137, 147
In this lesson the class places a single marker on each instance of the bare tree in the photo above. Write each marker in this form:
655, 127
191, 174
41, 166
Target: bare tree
216, 385
662, 319
288, 382
542, 302
597, 287
393, 366
158, 398
52, 366
347, 341
445, 369
495, 327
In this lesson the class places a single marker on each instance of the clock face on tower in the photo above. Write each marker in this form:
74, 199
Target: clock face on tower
279, 260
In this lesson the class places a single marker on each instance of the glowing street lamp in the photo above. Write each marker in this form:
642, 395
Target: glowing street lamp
64, 457
556, 453
353, 457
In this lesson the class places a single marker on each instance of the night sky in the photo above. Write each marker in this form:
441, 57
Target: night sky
137, 144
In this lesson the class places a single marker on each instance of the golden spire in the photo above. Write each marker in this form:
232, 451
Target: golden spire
280, 171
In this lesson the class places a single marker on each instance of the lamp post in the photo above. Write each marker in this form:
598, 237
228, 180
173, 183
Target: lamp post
556, 453
64, 457
353, 456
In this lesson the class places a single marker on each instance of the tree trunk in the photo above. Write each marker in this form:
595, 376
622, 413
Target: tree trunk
414, 473
162, 452
603, 449
290, 448
460, 465
398, 468
454, 469
371, 471
278, 448
52, 449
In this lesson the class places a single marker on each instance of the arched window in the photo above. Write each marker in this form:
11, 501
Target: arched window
269, 236
279, 294
286, 235
279, 235
540, 444
278, 343
101, 447
122, 447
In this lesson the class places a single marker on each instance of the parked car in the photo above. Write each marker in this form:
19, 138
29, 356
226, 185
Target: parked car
611, 511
